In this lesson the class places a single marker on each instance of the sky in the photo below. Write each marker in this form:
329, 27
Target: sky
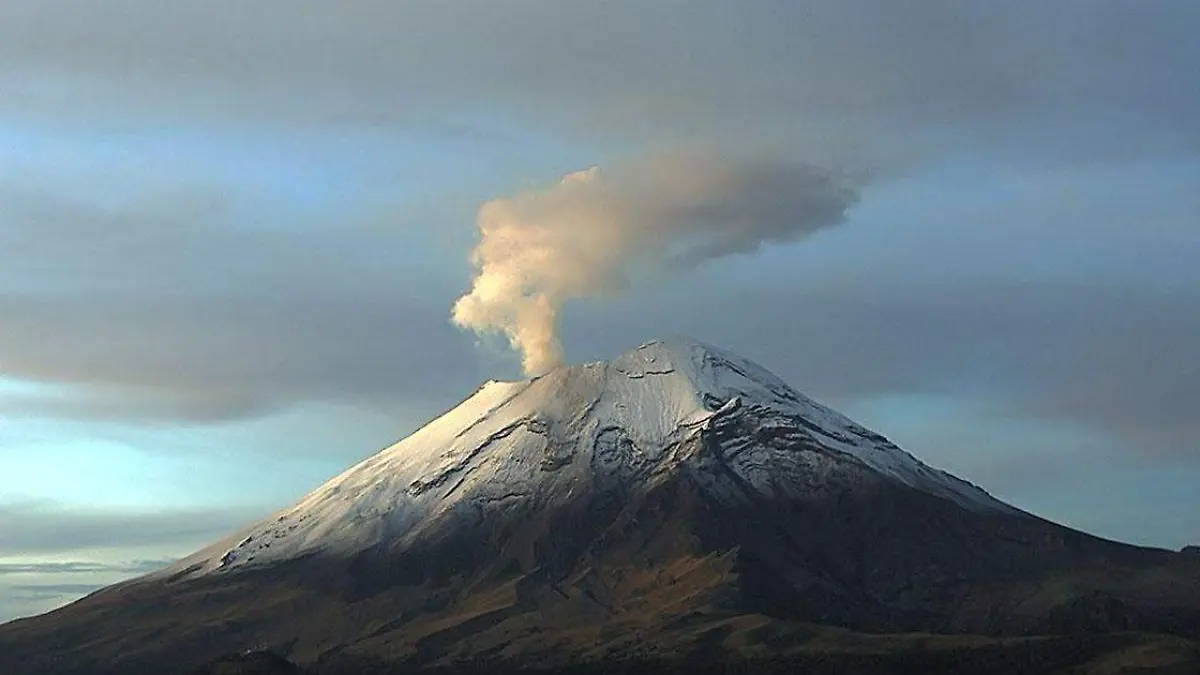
232, 235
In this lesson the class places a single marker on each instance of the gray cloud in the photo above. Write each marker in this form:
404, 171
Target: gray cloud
31, 528
49, 591
82, 567
837, 77
35, 587
32, 599
1115, 360
161, 310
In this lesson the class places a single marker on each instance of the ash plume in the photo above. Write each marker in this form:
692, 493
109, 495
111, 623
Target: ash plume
585, 236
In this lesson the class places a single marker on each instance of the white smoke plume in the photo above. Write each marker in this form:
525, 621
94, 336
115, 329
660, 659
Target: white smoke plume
584, 236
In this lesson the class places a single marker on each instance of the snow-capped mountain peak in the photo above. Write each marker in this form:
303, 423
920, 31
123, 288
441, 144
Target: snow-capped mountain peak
649, 413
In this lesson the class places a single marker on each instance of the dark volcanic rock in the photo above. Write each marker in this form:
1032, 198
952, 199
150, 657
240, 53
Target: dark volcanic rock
258, 662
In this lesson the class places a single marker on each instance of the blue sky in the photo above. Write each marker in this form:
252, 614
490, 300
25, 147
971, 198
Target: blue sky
228, 258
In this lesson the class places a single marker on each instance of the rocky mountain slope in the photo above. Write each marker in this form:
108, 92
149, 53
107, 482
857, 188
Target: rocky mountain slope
676, 501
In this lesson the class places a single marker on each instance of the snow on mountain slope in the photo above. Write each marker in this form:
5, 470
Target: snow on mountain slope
547, 437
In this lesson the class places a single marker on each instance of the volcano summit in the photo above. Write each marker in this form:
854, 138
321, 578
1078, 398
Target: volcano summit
673, 502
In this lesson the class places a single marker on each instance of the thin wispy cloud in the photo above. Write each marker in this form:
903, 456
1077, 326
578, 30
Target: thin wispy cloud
82, 567
32, 527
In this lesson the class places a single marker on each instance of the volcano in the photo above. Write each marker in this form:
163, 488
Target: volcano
678, 502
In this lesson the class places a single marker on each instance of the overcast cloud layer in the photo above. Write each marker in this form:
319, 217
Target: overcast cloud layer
852, 78
213, 214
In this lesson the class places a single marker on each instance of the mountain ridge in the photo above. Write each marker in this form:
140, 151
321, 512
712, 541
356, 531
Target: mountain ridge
675, 501
648, 398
